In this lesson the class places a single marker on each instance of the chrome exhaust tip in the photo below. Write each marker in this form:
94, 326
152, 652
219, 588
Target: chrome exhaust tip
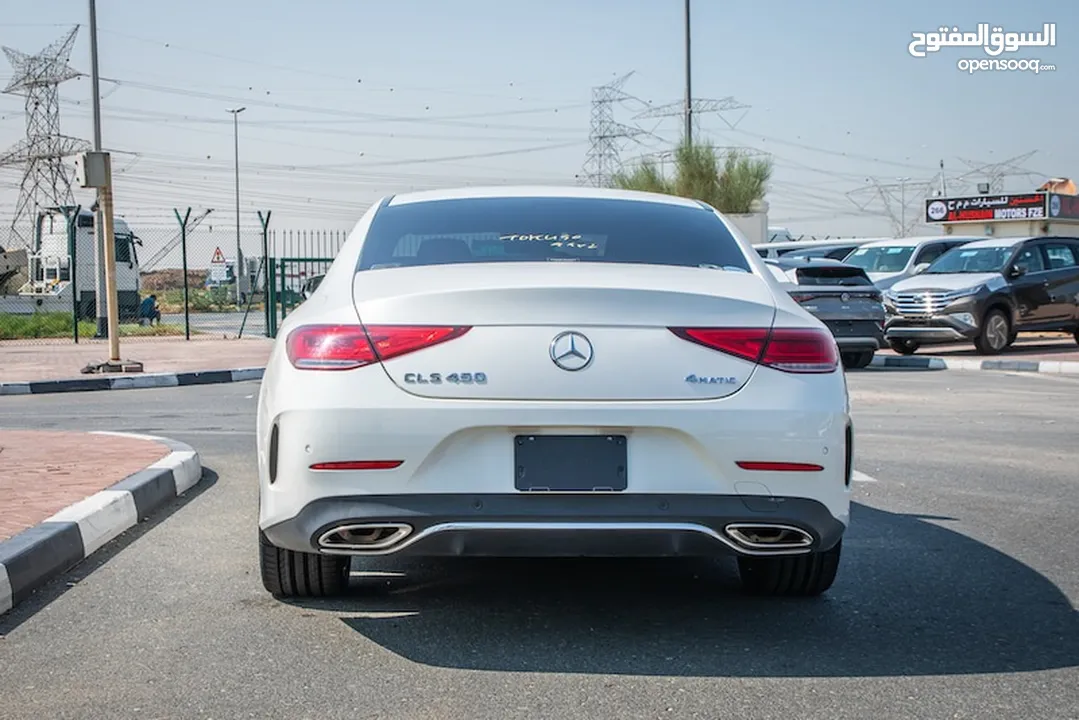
365, 537
763, 536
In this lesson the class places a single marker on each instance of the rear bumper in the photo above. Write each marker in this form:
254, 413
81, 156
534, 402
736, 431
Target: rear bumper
857, 335
530, 525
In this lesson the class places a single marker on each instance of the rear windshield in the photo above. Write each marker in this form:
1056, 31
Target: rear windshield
493, 230
832, 253
832, 276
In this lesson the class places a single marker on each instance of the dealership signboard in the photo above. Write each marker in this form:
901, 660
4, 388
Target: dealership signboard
980, 208
1064, 207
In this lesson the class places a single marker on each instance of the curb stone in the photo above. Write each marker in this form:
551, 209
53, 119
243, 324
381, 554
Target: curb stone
1058, 367
39, 554
131, 382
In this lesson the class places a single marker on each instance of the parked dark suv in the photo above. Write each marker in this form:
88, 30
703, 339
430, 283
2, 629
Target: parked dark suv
988, 291
842, 297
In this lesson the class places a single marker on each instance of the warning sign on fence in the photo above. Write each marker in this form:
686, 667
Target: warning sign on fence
219, 257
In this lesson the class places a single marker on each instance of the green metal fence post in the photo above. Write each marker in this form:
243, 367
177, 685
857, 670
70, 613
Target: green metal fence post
72, 265
265, 221
284, 290
183, 256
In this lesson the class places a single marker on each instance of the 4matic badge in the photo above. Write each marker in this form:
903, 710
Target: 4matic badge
711, 380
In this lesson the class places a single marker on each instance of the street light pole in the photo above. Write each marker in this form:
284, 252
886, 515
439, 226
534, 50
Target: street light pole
689, 85
99, 216
236, 150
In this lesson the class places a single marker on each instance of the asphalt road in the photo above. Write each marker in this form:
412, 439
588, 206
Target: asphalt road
956, 596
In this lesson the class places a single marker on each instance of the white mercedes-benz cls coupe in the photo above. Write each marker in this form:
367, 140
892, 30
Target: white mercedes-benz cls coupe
550, 372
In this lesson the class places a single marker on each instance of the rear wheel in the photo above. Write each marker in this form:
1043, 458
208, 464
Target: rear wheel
857, 360
792, 575
994, 334
291, 574
904, 347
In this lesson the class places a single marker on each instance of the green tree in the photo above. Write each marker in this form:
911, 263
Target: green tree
732, 187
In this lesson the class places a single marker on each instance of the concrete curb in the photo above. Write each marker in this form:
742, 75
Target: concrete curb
131, 382
1057, 367
39, 554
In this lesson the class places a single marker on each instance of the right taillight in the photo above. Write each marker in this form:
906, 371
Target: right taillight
347, 347
794, 350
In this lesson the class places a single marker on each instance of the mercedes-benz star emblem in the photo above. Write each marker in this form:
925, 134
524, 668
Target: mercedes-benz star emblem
571, 351
845, 297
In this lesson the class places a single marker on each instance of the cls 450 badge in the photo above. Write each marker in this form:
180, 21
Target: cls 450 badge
476, 378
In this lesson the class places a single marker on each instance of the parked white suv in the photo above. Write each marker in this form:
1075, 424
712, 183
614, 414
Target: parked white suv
886, 262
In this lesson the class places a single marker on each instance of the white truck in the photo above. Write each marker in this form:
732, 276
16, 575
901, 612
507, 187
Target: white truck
46, 282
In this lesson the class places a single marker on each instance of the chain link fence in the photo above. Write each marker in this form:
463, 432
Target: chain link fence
179, 275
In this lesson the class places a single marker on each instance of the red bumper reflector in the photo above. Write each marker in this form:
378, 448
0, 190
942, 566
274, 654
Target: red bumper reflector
358, 465
779, 466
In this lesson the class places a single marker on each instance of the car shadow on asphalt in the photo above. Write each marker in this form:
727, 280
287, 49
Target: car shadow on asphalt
912, 598
60, 585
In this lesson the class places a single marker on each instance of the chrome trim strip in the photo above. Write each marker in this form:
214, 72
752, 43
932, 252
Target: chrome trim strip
564, 526
928, 331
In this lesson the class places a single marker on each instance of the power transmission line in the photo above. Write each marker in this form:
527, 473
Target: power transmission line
607, 135
994, 175
900, 201
46, 181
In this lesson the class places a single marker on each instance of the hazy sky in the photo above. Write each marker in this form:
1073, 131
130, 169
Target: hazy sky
348, 100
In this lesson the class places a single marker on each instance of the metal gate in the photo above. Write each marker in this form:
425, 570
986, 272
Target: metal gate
285, 282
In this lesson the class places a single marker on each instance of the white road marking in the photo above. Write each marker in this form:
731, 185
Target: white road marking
862, 477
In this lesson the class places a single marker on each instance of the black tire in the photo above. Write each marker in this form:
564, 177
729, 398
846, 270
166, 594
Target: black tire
1077, 336
858, 360
904, 347
291, 574
993, 336
792, 575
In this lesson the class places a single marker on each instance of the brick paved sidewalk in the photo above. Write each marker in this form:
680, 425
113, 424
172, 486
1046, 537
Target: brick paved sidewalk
62, 360
43, 472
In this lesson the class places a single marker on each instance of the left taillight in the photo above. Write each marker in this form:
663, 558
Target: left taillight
347, 347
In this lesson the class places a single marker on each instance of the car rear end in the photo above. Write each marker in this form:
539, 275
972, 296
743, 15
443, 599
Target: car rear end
550, 376
846, 301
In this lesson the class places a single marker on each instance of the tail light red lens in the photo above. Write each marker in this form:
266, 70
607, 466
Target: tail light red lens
347, 347
793, 350
329, 347
745, 343
390, 341
801, 351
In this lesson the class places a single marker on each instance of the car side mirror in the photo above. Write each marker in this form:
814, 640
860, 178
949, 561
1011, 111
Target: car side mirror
920, 268
1016, 271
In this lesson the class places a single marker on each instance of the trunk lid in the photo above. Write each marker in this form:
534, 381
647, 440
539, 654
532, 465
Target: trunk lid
519, 314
